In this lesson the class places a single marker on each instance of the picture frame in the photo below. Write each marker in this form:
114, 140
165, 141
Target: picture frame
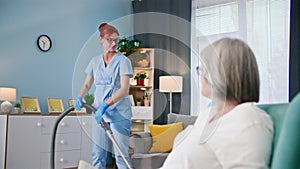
30, 104
55, 105
131, 100
71, 103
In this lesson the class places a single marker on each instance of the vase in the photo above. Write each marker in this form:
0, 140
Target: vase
16, 110
138, 103
147, 103
140, 82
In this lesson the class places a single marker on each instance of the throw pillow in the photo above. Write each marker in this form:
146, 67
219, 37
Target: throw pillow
185, 119
163, 136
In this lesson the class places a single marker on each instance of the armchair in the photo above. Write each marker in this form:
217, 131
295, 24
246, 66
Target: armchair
286, 144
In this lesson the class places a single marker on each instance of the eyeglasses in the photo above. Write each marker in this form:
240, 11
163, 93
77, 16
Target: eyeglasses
199, 70
111, 40
202, 72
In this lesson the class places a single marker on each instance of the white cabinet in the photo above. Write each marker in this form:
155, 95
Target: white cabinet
23, 142
29, 141
3, 124
141, 117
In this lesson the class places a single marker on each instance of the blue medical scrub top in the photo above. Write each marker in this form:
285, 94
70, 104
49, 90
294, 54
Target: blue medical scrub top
107, 82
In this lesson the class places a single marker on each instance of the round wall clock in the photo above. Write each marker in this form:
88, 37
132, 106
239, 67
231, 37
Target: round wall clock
44, 43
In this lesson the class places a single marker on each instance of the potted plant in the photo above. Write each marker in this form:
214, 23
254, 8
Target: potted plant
17, 107
127, 47
138, 101
89, 99
140, 77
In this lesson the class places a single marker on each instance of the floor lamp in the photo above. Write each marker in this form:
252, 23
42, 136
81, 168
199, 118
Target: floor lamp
171, 84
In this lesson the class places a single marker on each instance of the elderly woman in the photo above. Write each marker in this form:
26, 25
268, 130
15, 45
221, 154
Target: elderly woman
234, 132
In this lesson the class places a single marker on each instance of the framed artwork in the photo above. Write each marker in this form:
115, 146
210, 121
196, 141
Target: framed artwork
55, 105
71, 103
131, 100
30, 104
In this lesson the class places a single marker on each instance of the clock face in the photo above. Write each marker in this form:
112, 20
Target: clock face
44, 43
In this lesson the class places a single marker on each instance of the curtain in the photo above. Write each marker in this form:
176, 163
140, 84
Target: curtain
263, 24
294, 72
165, 26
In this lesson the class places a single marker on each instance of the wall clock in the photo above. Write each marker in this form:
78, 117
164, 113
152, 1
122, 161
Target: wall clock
44, 43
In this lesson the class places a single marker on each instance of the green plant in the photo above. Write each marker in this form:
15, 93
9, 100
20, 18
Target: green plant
141, 76
138, 99
89, 98
17, 105
128, 47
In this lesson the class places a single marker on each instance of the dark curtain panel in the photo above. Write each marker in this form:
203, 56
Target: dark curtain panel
165, 26
294, 80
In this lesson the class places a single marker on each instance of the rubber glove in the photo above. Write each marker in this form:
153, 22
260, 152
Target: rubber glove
77, 103
99, 113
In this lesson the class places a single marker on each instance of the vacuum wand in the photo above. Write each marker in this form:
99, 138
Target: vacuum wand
103, 124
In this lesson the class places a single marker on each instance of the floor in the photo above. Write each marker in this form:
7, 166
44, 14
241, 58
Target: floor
113, 166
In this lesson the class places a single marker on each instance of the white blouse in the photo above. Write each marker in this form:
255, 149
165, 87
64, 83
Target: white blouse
241, 139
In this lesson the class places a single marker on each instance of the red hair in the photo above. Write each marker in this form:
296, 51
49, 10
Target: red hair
106, 29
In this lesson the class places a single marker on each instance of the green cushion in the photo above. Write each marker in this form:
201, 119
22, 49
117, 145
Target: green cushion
287, 153
277, 112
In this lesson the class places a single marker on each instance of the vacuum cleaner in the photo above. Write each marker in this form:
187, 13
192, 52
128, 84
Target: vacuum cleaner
103, 124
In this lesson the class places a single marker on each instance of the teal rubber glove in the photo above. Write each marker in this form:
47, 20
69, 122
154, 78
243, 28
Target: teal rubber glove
99, 113
78, 103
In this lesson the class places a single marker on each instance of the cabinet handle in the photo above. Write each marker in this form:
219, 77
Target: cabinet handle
61, 160
83, 123
62, 124
39, 124
62, 141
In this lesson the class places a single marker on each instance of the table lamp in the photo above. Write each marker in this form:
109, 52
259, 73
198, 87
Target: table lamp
171, 84
7, 95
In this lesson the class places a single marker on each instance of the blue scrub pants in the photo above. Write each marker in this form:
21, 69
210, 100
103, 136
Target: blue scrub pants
101, 142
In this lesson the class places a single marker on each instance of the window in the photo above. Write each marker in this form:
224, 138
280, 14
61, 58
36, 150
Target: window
263, 24
217, 19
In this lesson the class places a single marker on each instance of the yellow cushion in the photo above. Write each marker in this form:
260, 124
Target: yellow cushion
163, 136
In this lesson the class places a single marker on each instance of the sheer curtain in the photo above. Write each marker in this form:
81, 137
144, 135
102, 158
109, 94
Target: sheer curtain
263, 24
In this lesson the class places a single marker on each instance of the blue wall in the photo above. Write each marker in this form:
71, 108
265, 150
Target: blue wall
72, 26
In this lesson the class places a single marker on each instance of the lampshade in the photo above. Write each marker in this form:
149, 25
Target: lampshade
8, 94
170, 84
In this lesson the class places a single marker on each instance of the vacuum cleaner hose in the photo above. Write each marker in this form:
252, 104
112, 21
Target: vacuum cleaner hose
103, 124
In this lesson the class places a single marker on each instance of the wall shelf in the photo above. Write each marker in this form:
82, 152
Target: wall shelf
142, 115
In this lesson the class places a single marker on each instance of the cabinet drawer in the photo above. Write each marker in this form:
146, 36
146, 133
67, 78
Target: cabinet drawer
86, 125
143, 113
66, 125
65, 159
68, 141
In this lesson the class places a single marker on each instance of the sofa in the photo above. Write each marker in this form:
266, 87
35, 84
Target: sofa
141, 143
